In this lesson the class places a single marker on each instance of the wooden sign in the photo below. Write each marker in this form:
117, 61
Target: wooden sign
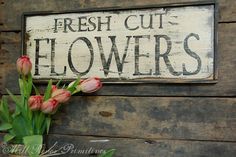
169, 44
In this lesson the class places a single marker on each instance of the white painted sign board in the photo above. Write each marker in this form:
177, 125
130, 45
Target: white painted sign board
171, 43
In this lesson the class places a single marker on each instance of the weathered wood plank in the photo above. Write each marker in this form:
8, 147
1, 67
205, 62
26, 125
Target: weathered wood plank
226, 85
74, 146
227, 10
8, 58
147, 148
171, 118
149, 117
12, 20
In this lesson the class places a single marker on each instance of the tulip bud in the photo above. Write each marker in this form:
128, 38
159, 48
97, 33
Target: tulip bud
54, 88
49, 106
61, 95
24, 65
75, 89
90, 85
35, 102
71, 84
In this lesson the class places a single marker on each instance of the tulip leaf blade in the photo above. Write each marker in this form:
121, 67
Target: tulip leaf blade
8, 137
72, 88
30, 79
48, 122
4, 111
40, 123
59, 82
19, 126
47, 94
29, 84
35, 89
13, 97
5, 126
21, 85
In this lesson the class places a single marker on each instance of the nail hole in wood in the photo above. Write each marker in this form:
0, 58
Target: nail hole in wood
105, 113
150, 142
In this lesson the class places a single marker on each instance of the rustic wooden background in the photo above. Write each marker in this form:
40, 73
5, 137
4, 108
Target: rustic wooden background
144, 120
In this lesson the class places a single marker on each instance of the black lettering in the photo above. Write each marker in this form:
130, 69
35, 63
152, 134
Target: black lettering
108, 23
150, 22
67, 24
158, 55
92, 24
137, 55
192, 54
37, 55
53, 72
161, 19
82, 23
55, 26
90, 47
126, 23
106, 63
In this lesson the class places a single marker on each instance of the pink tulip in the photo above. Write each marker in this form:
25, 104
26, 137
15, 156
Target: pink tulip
54, 88
61, 95
35, 102
24, 65
49, 106
90, 85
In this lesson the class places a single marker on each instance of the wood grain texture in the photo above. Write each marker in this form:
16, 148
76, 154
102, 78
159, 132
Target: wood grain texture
226, 85
169, 118
227, 9
137, 126
76, 146
11, 20
149, 117
146, 148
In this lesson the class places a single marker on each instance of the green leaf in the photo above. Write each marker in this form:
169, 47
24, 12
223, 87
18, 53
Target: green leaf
29, 84
14, 99
8, 137
73, 87
47, 93
33, 144
19, 104
21, 85
48, 122
64, 86
5, 126
40, 123
36, 90
16, 113
58, 83
4, 111
108, 153
20, 126
2, 119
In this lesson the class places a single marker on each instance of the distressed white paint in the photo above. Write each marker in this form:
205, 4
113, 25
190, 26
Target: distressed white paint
177, 24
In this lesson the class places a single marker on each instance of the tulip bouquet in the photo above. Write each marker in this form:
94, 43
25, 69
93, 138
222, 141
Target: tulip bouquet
31, 117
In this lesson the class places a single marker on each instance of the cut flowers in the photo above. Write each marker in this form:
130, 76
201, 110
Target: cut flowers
31, 118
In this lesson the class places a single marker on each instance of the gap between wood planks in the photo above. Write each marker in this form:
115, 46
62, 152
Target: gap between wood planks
130, 96
222, 22
148, 140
